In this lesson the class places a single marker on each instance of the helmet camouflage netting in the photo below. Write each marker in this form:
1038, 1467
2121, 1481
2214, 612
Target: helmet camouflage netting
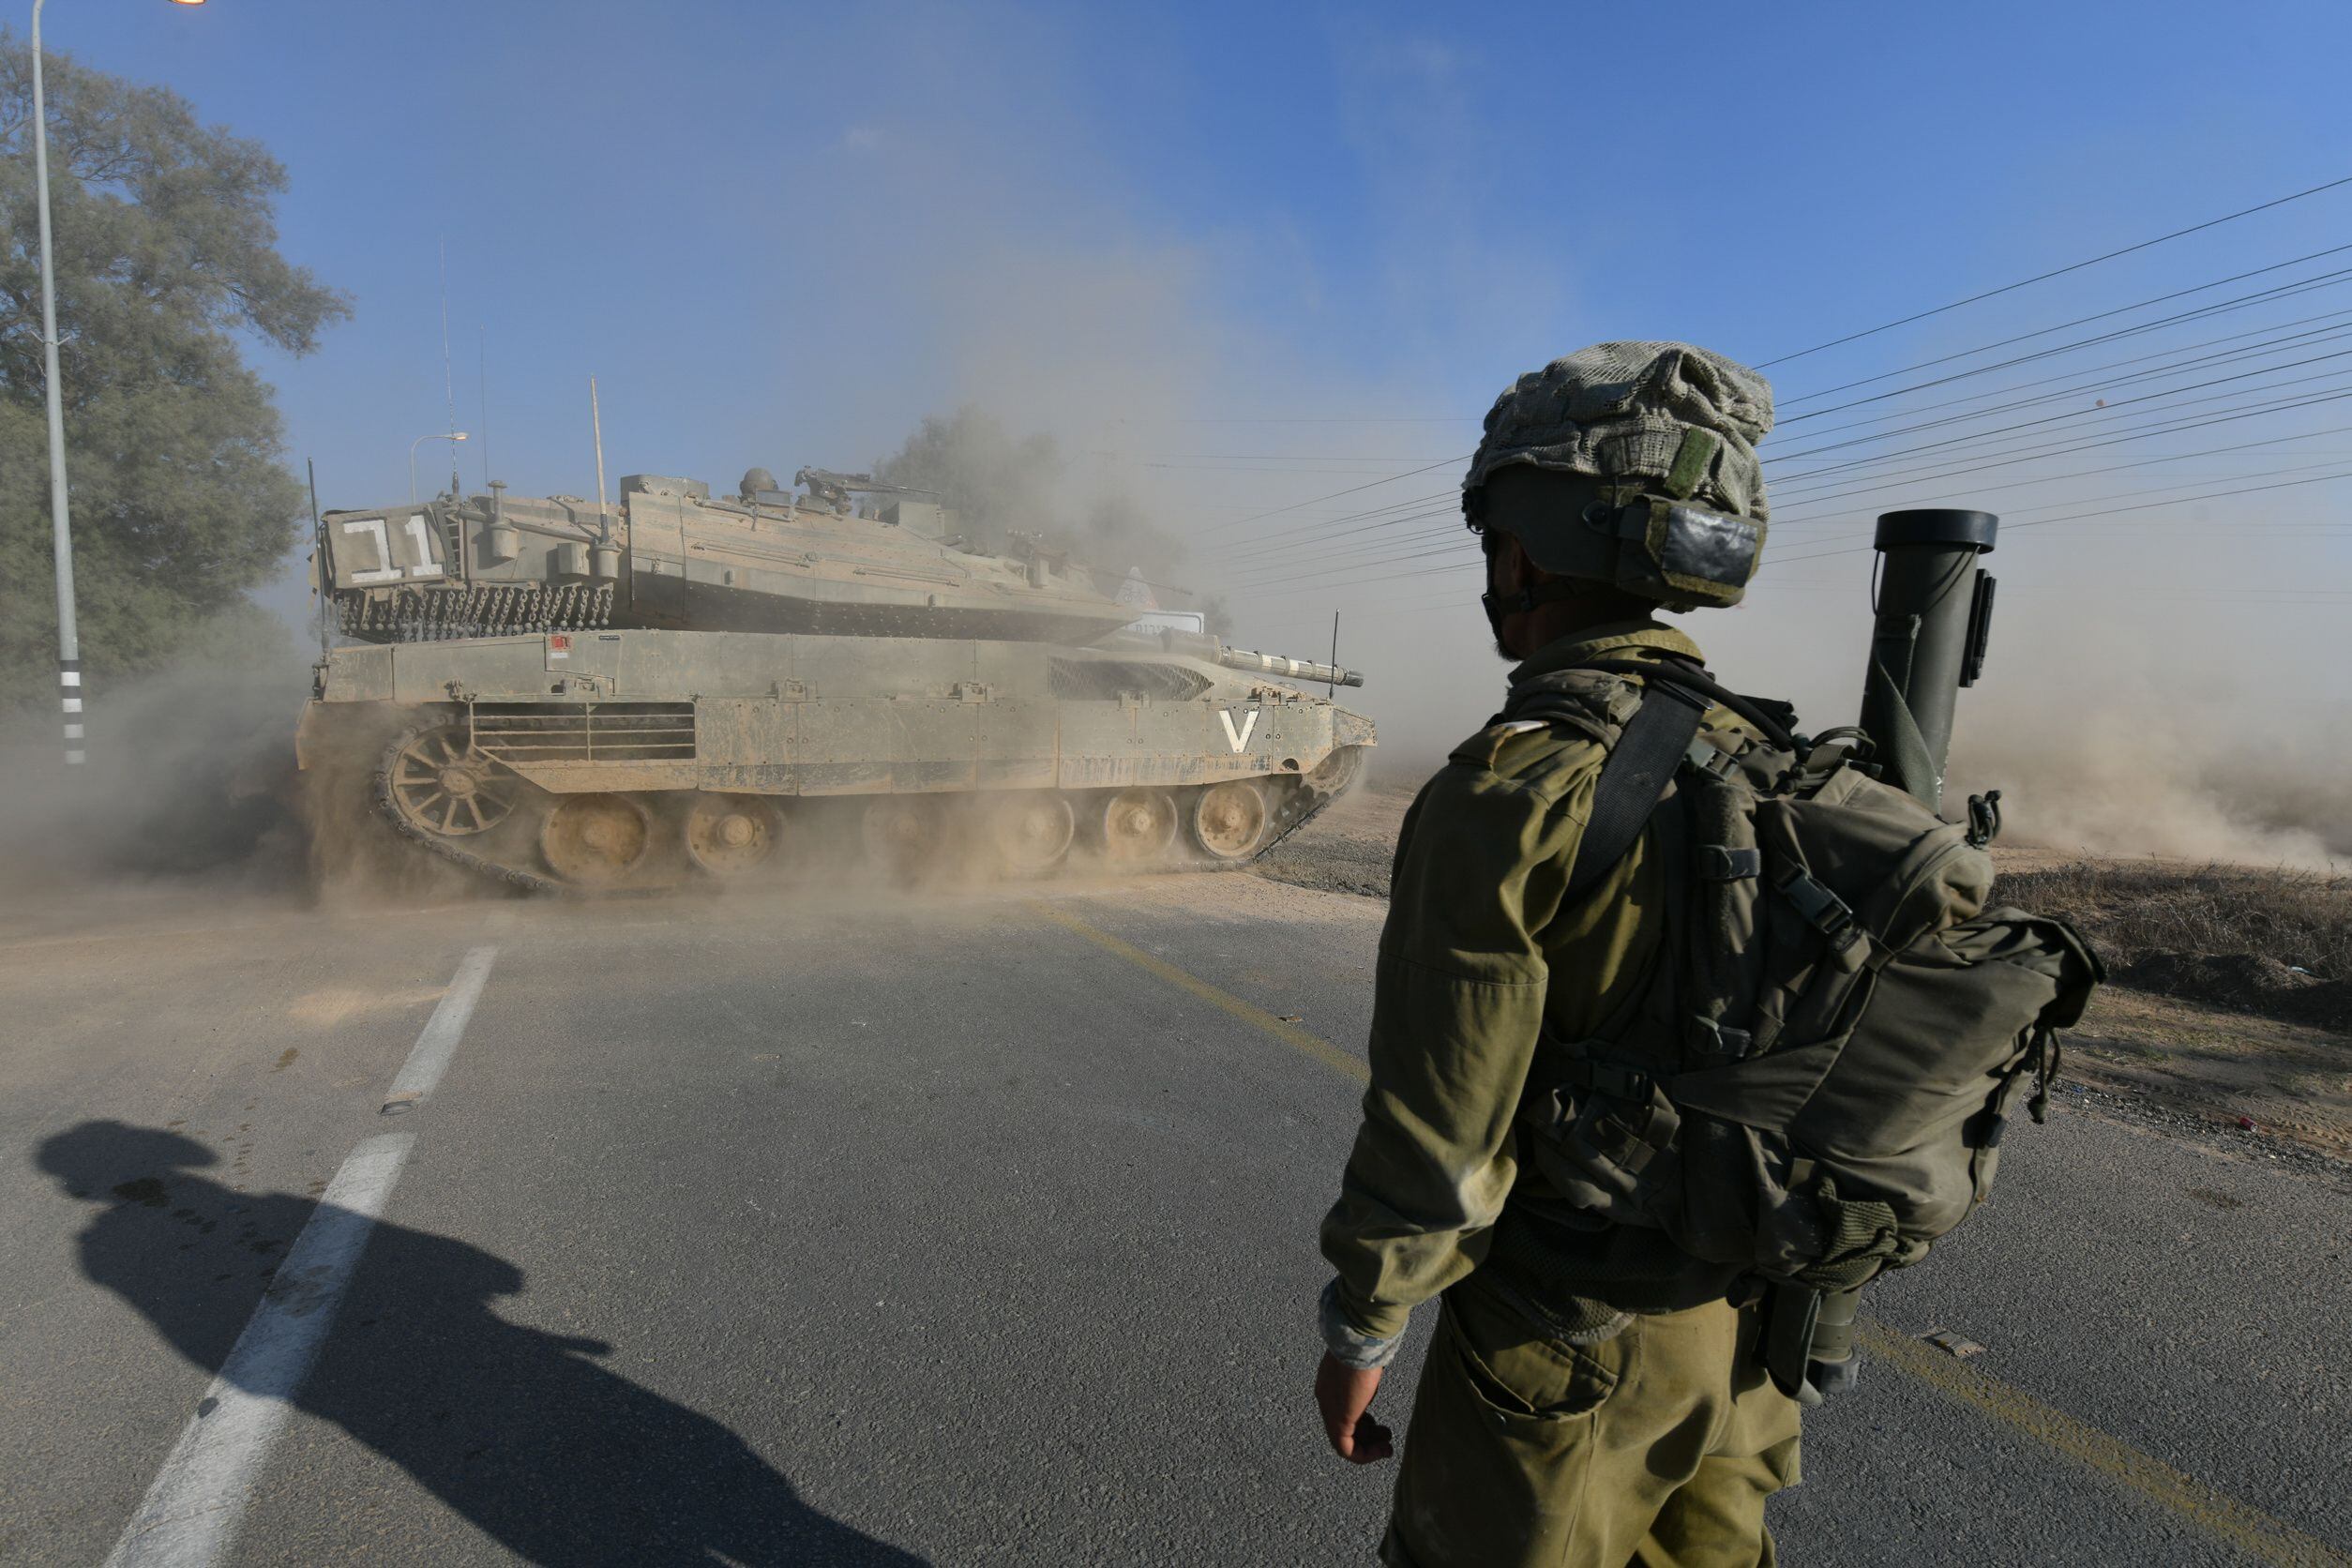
1679, 421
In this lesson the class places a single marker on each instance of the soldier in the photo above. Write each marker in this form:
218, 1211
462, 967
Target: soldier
1594, 1395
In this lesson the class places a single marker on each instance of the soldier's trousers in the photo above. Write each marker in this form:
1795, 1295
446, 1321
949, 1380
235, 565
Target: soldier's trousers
1656, 1446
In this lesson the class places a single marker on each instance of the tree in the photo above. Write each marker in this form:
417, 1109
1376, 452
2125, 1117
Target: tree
166, 268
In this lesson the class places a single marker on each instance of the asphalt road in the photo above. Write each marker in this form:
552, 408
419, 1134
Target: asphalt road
972, 1231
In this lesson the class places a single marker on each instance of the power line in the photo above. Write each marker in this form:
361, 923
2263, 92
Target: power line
2030, 424
1931, 475
1353, 561
2056, 272
2053, 505
1291, 585
1254, 457
1801, 522
1287, 544
1287, 581
2111, 511
2043, 332
1979, 445
1338, 419
2316, 334
1334, 495
1350, 561
1335, 527
1366, 583
2326, 281
2280, 292
1398, 514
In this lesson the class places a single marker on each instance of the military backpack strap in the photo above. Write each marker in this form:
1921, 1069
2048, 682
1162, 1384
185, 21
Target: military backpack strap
1634, 779
1771, 718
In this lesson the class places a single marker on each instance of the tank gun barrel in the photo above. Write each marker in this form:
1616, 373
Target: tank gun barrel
1294, 668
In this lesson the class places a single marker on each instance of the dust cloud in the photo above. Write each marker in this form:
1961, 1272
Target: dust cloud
191, 777
2111, 737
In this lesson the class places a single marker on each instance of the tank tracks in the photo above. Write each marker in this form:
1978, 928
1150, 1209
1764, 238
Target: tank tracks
1292, 809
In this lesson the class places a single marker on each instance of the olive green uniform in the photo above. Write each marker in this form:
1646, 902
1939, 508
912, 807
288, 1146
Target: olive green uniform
1590, 1398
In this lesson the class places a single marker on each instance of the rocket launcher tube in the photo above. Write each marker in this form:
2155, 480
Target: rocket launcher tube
1934, 611
1290, 669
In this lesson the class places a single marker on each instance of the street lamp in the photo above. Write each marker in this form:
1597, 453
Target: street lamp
60, 519
453, 435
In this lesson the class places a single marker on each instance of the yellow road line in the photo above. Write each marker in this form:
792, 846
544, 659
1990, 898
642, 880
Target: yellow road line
2249, 1529
1289, 1034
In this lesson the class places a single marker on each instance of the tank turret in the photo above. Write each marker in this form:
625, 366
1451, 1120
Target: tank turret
672, 555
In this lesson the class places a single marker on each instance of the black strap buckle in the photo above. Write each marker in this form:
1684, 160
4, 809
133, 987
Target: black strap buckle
1823, 910
1721, 863
1612, 1079
1706, 756
1713, 1039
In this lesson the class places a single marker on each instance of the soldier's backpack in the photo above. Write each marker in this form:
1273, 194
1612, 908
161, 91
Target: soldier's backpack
1815, 1084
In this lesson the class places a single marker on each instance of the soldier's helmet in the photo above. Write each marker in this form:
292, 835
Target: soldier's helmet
1633, 464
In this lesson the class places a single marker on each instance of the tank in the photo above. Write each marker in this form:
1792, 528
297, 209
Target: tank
785, 682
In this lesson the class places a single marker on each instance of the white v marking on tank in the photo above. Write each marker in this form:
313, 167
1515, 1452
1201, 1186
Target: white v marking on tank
1239, 737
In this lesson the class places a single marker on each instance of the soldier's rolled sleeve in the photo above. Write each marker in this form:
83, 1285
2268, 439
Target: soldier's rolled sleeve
1458, 1004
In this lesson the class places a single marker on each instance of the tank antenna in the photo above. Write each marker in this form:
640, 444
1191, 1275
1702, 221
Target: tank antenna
318, 553
448, 378
481, 343
1332, 687
596, 422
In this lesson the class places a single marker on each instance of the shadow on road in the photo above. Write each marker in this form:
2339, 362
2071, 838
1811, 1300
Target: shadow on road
521, 1431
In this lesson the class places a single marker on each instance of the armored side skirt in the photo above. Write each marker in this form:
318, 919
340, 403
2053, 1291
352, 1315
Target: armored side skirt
821, 716
627, 760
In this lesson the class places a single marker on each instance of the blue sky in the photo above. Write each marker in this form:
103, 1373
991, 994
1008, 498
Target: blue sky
782, 234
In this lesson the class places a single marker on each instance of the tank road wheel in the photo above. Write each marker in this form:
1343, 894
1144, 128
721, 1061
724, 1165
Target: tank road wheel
1138, 826
1030, 831
590, 840
901, 832
729, 834
439, 782
1229, 820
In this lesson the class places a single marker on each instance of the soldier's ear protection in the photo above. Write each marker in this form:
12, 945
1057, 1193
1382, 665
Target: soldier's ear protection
1683, 556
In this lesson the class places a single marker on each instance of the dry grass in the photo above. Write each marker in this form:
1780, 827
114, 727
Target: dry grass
2299, 918
2228, 934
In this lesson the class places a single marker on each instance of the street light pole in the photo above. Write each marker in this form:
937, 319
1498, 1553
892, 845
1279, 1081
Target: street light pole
453, 436
61, 529
60, 515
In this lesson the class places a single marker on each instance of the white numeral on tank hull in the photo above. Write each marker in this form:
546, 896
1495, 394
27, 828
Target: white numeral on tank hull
426, 566
373, 528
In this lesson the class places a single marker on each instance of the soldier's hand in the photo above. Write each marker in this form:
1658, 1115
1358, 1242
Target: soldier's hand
1344, 1393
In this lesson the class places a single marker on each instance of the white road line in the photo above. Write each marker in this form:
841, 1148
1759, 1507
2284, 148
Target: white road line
190, 1514
430, 1057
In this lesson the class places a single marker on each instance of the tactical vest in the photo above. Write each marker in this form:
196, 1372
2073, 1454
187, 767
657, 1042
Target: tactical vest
1815, 1084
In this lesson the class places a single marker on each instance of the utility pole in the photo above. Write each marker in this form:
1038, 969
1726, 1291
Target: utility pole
60, 516
60, 523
